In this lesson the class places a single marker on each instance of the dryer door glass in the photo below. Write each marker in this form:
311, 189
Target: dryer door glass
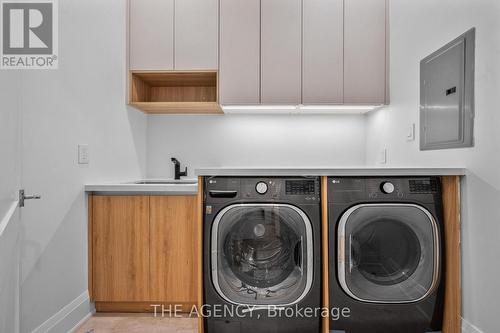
262, 254
389, 253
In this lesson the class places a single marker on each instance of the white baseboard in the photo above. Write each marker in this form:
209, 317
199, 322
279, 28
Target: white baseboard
80, 323
469, 328
61, 319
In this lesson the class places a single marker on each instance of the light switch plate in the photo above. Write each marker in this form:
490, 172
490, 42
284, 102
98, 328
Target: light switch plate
410, 132
383, 156
83, 154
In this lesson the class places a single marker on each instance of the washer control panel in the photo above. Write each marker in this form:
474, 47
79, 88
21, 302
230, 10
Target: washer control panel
300, 187
304, 190
301, 190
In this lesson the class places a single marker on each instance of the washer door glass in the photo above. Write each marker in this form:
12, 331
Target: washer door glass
262, 254
388, 253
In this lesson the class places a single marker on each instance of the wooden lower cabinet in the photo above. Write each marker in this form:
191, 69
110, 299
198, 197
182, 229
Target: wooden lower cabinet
173, 249
120, 248
142, 250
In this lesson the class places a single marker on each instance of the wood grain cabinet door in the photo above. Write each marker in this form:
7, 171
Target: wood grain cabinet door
121, 248
174, 249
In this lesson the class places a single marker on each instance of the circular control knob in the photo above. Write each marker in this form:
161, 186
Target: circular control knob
261, 188
387, 187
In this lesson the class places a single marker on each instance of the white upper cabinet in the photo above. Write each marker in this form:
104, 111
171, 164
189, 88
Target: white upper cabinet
269, 51
365, 51
196, 34
151, 34
239, 72
322, 51
173, 34
281, 24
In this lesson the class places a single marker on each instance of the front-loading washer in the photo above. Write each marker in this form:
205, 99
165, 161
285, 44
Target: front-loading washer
262, 254
386, 254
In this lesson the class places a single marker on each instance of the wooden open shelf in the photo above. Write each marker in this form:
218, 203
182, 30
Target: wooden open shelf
174, 92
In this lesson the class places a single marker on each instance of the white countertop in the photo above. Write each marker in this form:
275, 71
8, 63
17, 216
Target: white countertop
190, 186
183, 187
350, 171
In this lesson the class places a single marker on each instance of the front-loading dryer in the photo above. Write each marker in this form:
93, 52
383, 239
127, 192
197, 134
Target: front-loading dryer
386, 254
262, 255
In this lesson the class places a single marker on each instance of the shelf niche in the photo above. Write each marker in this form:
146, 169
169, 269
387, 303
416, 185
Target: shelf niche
174, 92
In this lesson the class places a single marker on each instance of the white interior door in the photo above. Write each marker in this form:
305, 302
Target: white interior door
10, 175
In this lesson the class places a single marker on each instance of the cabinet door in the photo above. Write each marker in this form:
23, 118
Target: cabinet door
322, 67
120, 248
281, 51
365, 51
239, 72
174, 249
196, 34
151, 25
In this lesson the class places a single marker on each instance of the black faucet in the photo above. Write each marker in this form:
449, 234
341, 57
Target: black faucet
178, 173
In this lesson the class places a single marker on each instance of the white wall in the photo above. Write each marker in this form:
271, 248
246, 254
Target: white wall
9, 185
9, 138
81, 102
9, 274
417, 29
254, 141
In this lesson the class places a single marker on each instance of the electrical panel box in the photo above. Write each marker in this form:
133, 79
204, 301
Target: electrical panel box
447, 95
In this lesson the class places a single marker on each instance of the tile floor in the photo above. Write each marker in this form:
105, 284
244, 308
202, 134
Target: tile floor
137, 323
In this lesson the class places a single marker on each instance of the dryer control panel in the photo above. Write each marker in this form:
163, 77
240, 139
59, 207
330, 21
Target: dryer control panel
426, 185
348, 189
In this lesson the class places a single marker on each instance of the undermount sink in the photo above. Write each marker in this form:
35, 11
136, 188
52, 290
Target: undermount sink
166, 182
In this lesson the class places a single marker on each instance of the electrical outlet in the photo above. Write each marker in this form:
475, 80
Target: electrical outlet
410, 132
83, 154
383, 156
